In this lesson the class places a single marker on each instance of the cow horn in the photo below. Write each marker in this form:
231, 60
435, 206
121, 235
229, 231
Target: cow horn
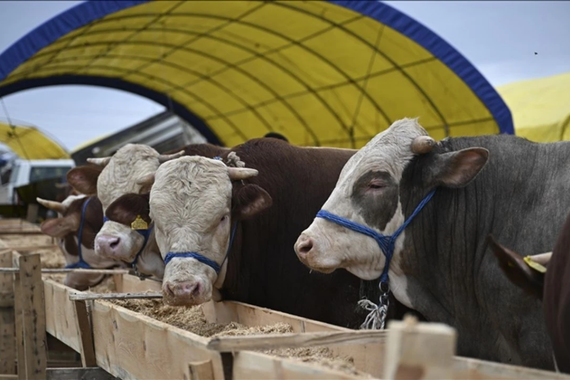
101, 161
52, 205
422, 145
237, 174
167, 157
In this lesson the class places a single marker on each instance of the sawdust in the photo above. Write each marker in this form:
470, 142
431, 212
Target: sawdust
193, 320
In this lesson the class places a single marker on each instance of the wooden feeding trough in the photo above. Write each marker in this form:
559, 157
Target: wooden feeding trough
116, 341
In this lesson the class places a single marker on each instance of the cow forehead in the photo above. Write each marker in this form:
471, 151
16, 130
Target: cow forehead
388, 151
128, 164
200, 184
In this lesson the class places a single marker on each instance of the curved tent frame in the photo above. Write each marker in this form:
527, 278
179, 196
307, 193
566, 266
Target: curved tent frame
443, 88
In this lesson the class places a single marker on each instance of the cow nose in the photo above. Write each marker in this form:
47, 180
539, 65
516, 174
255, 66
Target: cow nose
107, 244
304, 246
183, 289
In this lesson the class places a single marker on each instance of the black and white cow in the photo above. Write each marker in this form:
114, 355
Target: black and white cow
441, 266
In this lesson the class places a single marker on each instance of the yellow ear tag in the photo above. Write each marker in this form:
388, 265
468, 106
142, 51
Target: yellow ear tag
534, 265
139, 224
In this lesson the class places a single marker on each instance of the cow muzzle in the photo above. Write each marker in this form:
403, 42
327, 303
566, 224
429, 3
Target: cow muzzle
107, 245
186, 293
308, 251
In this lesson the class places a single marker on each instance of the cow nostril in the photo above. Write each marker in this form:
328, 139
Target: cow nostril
169, 290
113, 243
305, 247
196, 289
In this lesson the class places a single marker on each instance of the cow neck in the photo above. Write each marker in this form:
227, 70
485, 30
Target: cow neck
387, 243
81, 263
145, 233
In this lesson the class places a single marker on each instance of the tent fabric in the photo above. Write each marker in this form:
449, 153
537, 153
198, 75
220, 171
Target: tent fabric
30, 143
540, 107
325, 73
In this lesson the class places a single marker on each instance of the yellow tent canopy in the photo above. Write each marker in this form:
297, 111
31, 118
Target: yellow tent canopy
30, 143
540, 107
329, 73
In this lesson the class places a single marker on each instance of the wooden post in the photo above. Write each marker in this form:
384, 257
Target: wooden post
32, 214
30, 310
7, 324
419, 350
85, 334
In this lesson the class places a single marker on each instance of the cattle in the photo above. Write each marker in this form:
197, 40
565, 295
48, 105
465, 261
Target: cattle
127, 234
80, 218
209, 215
546, 277
439, 262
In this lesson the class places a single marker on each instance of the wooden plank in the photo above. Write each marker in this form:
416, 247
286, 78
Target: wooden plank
21, 232
367, 357
7, 322
60, 314
85, 334
34, 317
266, 342
468, 368
109, 296
254, 365
132, 284
202, 370
94, 373
133, 346
19, 324
69, 270
29, 248
408, 353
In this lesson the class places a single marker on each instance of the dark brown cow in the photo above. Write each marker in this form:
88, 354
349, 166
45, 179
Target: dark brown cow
553, 287
262, 267
66, 227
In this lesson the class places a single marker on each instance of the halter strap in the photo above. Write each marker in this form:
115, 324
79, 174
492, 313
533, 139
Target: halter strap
387, 243
81, 263
146, 235
201, 258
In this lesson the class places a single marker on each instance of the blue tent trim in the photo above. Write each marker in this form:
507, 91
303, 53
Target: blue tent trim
119, 84
441, 50
89, 11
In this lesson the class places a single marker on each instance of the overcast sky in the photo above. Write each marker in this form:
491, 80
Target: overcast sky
499, 38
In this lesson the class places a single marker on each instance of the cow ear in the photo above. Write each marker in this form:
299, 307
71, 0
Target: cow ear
457, 169
250, 200
517, 271
59, 227
84, 179
127, 207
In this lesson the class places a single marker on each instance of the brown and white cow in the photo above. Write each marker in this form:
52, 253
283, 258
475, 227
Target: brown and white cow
124, 198
196, 203
73, 215
499, 184
547, 277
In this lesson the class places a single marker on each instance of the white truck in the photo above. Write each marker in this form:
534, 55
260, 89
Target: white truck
18, 172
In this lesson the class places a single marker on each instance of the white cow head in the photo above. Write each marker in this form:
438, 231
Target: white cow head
127, 171
193, 209
368, 192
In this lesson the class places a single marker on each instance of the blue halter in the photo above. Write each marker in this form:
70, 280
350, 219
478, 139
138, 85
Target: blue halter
201, 258
387, 243
81, 263
145, 234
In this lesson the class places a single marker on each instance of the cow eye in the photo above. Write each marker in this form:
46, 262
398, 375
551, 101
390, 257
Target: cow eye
224, 218
375, 184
